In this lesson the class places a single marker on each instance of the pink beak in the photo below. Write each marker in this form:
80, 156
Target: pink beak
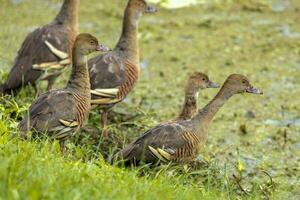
253, 90
101, 47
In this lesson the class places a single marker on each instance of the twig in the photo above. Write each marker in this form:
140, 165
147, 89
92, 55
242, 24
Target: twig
264, 190
270, 177
238, 180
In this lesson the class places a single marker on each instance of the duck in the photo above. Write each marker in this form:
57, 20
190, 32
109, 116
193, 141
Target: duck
113, 75
44, 54
196, 81
180, 141
60, 113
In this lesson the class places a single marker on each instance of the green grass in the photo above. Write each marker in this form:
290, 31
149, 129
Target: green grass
29, 171
247, 37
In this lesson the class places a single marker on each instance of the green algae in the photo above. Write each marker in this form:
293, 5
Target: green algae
259, 39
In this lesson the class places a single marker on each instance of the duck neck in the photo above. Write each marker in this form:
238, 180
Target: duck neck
190, 105
68, 13
128, 42
79, 81
205, 115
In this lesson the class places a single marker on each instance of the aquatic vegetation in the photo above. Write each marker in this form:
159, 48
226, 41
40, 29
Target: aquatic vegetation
253, 147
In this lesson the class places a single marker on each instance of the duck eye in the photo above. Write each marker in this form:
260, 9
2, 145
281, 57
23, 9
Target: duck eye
243, 81
203, 79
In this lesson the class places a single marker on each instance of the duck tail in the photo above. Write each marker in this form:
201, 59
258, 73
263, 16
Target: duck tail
123, 156
5, 90
2, 88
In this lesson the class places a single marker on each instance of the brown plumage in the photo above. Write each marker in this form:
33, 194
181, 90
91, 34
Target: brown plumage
197, 81
180, 141
113, 75
59, 113
36, 60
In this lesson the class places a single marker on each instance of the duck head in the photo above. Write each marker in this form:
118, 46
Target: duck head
140, 7
198, 81
239, 84
85, 43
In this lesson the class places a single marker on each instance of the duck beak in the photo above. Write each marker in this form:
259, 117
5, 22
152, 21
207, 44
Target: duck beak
213, 85
150, 9
253, 90
103, 48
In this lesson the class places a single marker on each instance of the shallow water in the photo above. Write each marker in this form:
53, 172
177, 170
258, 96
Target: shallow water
173, 4
16, 1
281, 5
276, 6
262, 43
286, 31
285, 122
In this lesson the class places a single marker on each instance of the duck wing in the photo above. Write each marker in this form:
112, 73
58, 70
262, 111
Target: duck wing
170, 137
54, 113
107, 73
111, 77
35, 51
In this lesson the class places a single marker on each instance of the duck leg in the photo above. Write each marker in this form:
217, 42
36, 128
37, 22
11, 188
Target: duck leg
104, 124
63, 148
51, 81
35, 89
